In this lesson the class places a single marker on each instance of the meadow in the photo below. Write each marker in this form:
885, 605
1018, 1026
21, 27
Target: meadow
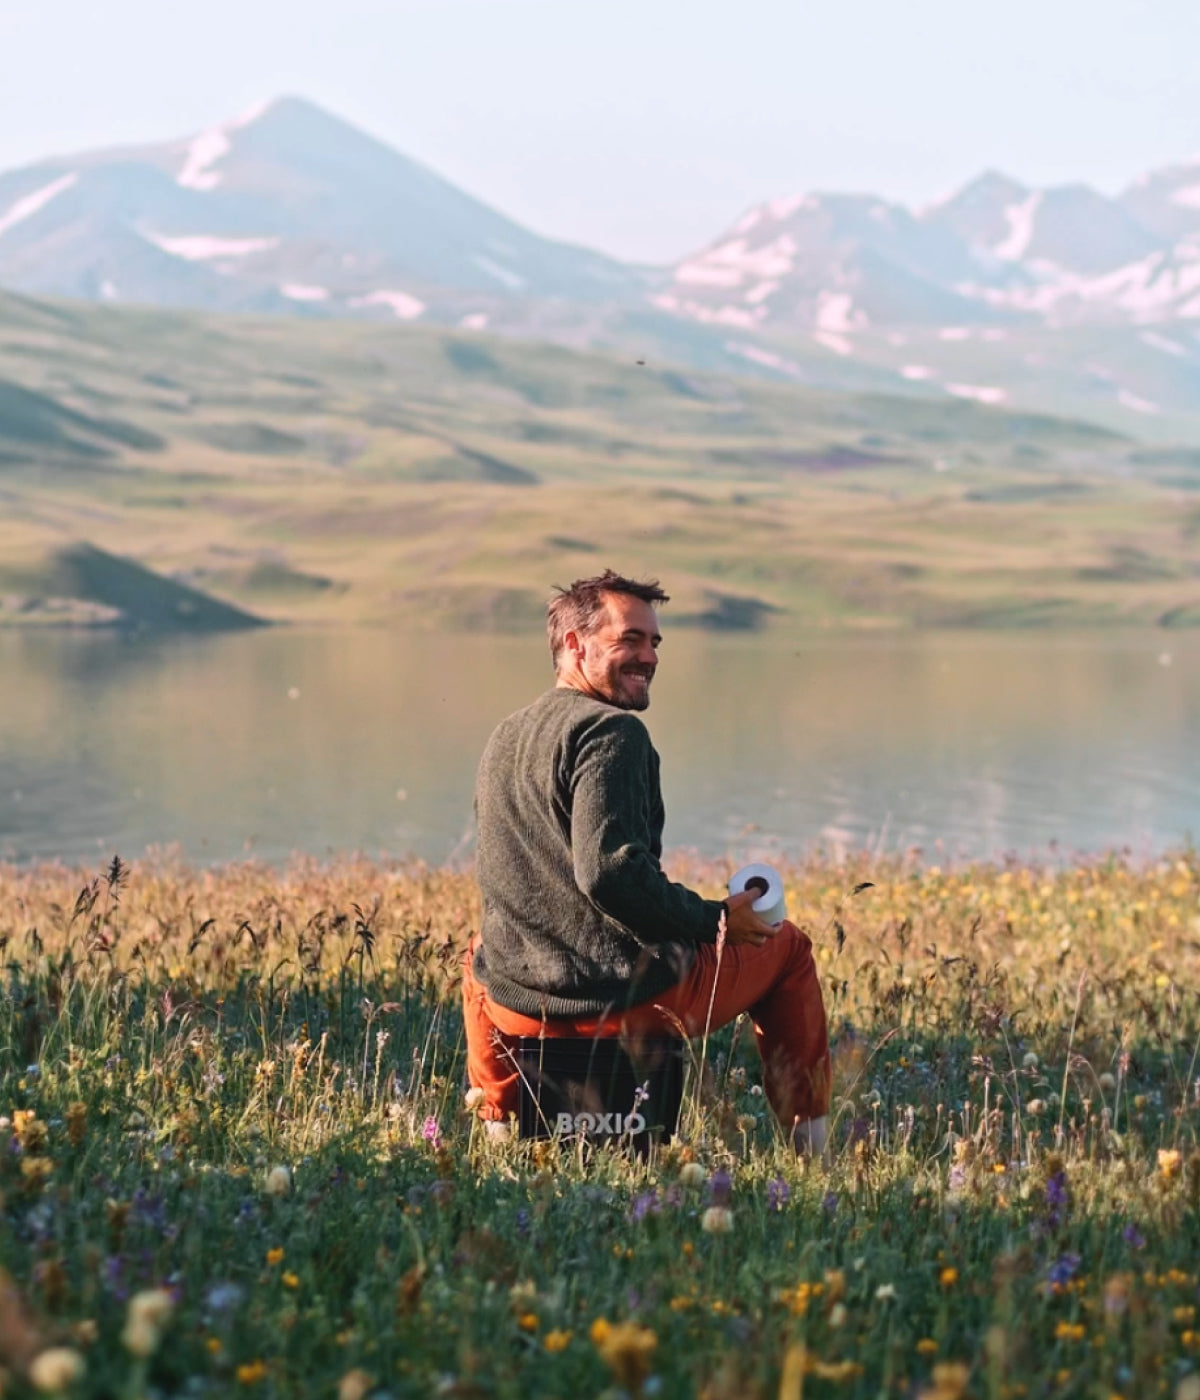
238, 1158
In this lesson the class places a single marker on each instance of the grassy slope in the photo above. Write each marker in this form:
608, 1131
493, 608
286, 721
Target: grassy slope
338, 472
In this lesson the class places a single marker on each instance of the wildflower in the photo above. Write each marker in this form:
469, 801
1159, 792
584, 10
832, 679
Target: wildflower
1035, 1107
927, 1347
644, 1204
31, 1133
221, 1297
837, 1316
431, 1131
1107, 1083
949, 1381
1133, 1237
251, 1372
717, 1220
1170, 1160
599, 1331
1070, 1331
149, 1312
1116, 1295
213, 1346
886, 1293
528, 1322
692, 1174
279, 1181
557, 1340
720, 1187
76, 1117
475, 1097
626, 1349
1030, 1061
1063, 1270
354, 1385
779, 1193
54, 1369
829, 1202
275, 1255
289, 1279
948, 1277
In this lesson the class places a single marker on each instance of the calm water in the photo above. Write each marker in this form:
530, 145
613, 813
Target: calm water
322, 742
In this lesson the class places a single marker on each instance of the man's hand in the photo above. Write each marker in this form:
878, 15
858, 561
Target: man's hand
742, 924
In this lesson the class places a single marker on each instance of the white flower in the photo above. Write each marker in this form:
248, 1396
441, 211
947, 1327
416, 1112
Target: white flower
1107, 1083
1035, 1107
279, 1181
475, 1097
692, 1174
717, 1220
149, 1312
1030, 1061
53, 1370
886, 1293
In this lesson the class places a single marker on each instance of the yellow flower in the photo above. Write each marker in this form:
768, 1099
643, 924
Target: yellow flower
54, 1369
275, 1256
528, 1322
289, 1279
251, 1372
1170, 1159
927, 1347
354, 1384
599, 1331
213, 1346
627, 1349
557, 1340
1070, 1331
949, 1382
948, 1277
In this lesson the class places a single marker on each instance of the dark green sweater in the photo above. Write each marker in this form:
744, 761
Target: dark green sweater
578, 916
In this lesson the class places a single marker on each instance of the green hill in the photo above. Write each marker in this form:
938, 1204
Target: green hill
332, 472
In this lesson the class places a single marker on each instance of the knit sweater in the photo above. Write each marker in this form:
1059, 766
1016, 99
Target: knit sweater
578, 916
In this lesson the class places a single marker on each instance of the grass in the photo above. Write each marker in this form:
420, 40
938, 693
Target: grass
433, 476
243, 1087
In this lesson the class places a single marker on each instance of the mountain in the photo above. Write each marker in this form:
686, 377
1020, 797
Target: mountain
1167, 201
285, 208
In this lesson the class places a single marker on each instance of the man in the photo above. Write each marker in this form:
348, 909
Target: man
582, 932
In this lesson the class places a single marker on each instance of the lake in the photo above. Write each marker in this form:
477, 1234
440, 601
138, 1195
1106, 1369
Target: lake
272, 743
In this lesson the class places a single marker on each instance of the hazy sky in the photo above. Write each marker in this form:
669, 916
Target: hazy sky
642, 127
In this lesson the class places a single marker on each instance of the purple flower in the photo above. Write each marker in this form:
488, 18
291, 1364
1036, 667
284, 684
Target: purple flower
720, 1187
829, 1202
673, 1196
521, 1219
1133, 1237
431, 1132
779, 1193
647, 1203
1064, 1268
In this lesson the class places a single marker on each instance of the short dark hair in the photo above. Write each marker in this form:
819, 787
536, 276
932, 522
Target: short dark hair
578, 608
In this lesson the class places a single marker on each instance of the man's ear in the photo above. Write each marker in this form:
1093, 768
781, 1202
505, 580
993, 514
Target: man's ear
573, 644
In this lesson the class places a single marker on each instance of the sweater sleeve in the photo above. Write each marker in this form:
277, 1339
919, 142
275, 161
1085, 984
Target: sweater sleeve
613, 848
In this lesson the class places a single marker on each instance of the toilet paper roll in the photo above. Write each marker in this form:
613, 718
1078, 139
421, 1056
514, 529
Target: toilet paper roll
770, 907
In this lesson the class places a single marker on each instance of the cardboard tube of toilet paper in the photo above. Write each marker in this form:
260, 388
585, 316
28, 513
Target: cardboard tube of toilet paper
769, 906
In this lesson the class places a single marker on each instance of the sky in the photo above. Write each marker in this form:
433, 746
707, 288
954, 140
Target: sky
639, 127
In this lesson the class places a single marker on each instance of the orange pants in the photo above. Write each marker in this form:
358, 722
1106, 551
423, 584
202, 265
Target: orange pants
776, 983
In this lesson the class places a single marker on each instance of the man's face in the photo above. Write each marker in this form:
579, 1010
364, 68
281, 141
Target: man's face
617, 660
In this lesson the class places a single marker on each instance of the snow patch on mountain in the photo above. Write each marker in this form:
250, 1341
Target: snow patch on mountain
835, 312
916, 372
1127, 399
211, 146
980, 393
29, 204
839, 344
201, 247
401, 304
1021, 218
734, 263
504, 275
300, 291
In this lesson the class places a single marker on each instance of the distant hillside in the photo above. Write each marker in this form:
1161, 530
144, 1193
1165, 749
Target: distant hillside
228, 470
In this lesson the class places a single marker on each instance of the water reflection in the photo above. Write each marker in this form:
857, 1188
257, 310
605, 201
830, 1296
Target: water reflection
367, 740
